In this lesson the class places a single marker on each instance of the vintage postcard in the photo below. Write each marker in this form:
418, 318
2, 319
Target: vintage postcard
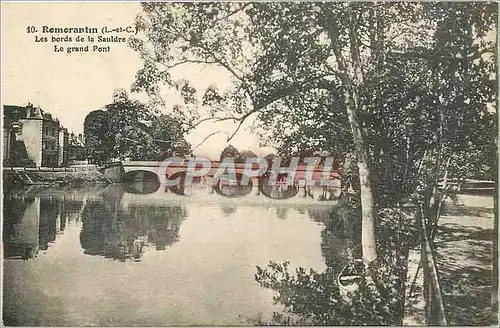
249, 163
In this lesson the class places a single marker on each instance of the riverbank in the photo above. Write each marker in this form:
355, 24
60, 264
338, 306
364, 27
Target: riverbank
464, 257
13, 178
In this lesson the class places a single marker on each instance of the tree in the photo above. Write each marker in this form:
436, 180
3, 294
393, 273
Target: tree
98, 143
218, 33
377, 78
168, 137
244, 155
128, 128
229, 152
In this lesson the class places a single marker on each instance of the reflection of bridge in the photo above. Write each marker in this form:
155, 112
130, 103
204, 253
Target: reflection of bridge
206, 195
146, 176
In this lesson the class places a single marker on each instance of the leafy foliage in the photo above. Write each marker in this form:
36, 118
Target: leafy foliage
426, 79
97, 141
315, 298
238, 157
129, 129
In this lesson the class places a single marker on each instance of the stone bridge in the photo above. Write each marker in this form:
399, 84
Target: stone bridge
146, 177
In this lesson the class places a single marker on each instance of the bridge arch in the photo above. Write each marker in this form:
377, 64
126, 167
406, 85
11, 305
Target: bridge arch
141, 182
140, 176
227, 188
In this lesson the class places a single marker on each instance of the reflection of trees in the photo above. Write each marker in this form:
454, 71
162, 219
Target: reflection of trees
165, 223
49, 210
122, 233
96, 224
13, 211
315, 297
45, 220
228, 188
143, 187
340, 237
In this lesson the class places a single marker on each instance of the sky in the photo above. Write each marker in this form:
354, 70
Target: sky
69, 86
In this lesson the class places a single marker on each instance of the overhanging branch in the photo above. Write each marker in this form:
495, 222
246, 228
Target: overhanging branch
441, 56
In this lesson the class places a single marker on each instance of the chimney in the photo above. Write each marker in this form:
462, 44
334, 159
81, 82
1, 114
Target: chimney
29, 108
80, 138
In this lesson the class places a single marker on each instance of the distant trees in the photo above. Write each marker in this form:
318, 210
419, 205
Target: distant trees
127, 128
239, 157
229, 152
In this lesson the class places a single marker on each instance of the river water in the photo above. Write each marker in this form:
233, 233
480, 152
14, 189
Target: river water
105, 256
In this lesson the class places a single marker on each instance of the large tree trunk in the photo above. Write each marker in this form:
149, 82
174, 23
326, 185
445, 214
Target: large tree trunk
368, 241
351, 87
354, 106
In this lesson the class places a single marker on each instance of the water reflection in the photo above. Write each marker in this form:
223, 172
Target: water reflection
34, 218
20, 231
122, 233
339, 237
32, 222
210, 244
114, 230
228, 209
142, 187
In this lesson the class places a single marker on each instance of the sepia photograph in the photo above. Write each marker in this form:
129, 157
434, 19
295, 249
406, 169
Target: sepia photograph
229, 163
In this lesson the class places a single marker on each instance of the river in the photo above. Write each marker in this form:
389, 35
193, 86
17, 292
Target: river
109, 256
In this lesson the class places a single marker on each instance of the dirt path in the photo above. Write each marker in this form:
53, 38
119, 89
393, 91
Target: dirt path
464, 255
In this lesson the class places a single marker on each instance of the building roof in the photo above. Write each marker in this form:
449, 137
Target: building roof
14, 113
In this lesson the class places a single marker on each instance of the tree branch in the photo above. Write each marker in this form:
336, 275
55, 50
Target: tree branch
231, 13
205, 139
437, 56
186, 61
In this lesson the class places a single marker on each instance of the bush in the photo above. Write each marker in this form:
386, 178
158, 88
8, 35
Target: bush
314, 298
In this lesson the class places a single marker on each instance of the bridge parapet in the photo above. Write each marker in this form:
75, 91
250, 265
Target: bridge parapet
327, 184
159, 167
